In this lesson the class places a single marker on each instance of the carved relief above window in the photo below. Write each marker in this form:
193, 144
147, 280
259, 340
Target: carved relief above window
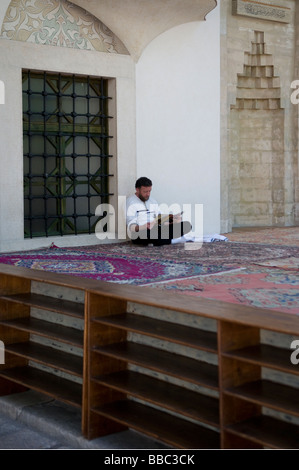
58, 23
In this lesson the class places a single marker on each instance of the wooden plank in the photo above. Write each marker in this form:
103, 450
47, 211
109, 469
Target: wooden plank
47, 329
13, 284
164, 394
49, 356
188, 336
266, 393
175, 365
266, 356
45, 302
270, 432
174, 431
44, 382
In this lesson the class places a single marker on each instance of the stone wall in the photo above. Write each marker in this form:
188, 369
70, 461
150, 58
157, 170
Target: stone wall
259, 127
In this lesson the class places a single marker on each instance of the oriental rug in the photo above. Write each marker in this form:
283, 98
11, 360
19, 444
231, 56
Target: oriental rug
125, 263
256, 286
114, 263
219, 253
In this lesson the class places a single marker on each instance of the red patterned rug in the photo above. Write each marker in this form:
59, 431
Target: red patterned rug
121, 263
272, 288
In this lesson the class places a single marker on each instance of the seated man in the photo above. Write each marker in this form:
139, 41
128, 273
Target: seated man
143, 222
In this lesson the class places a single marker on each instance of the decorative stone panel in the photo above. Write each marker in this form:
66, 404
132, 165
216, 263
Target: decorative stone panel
257, 86
58, 23
257, 143
262, 10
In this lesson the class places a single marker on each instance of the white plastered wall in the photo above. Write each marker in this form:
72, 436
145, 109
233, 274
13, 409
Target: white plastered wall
178, 117
14, 56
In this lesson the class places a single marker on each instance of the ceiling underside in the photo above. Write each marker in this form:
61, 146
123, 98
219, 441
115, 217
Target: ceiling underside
137, 22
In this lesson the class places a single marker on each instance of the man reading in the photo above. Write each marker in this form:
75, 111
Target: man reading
145, 223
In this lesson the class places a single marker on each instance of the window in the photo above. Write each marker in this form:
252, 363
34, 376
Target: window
66, 152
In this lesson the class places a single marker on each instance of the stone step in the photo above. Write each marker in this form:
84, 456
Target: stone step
258, 82
258, 48
254, 59
258, 71
258, 93
257, 104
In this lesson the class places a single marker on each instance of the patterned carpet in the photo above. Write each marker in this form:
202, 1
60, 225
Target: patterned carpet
266, 283
256, 286
244, 270
126, 263
121, 263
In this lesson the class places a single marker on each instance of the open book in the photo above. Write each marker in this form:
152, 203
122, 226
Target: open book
163, 218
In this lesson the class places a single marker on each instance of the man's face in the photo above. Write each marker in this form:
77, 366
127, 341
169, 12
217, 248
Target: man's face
144, 192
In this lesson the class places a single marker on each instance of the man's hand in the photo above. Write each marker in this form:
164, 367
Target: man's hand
177, 218
139, 228
150, 225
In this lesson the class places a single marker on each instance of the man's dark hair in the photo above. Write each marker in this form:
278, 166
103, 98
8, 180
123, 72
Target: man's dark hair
143, 181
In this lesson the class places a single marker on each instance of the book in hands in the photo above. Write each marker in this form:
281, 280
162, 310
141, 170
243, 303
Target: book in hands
163, 218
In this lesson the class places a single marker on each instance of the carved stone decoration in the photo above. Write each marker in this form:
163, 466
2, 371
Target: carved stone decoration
58, 23
262, 10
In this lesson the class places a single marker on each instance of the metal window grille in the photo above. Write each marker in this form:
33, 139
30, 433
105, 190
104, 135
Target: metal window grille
66, 152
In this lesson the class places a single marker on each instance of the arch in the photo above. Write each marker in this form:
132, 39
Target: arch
58, 23
137, 22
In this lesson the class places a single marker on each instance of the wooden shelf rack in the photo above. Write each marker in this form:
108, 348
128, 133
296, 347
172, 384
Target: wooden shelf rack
177, 382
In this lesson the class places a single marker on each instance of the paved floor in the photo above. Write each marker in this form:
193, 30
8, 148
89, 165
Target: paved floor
30, 420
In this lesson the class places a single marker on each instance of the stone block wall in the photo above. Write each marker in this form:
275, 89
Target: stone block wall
259, 157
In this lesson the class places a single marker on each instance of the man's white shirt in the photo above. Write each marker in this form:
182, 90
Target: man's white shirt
139, 212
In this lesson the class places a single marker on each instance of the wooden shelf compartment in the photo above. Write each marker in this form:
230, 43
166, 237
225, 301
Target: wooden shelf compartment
164, 394
60, 388
191, 370
269, 394
245, 393
49, 356
266, 432
61, 333
164, 330
174, 431
265, 356
45, 302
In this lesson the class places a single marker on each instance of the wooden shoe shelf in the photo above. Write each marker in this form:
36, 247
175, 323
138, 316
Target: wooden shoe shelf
164, 373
